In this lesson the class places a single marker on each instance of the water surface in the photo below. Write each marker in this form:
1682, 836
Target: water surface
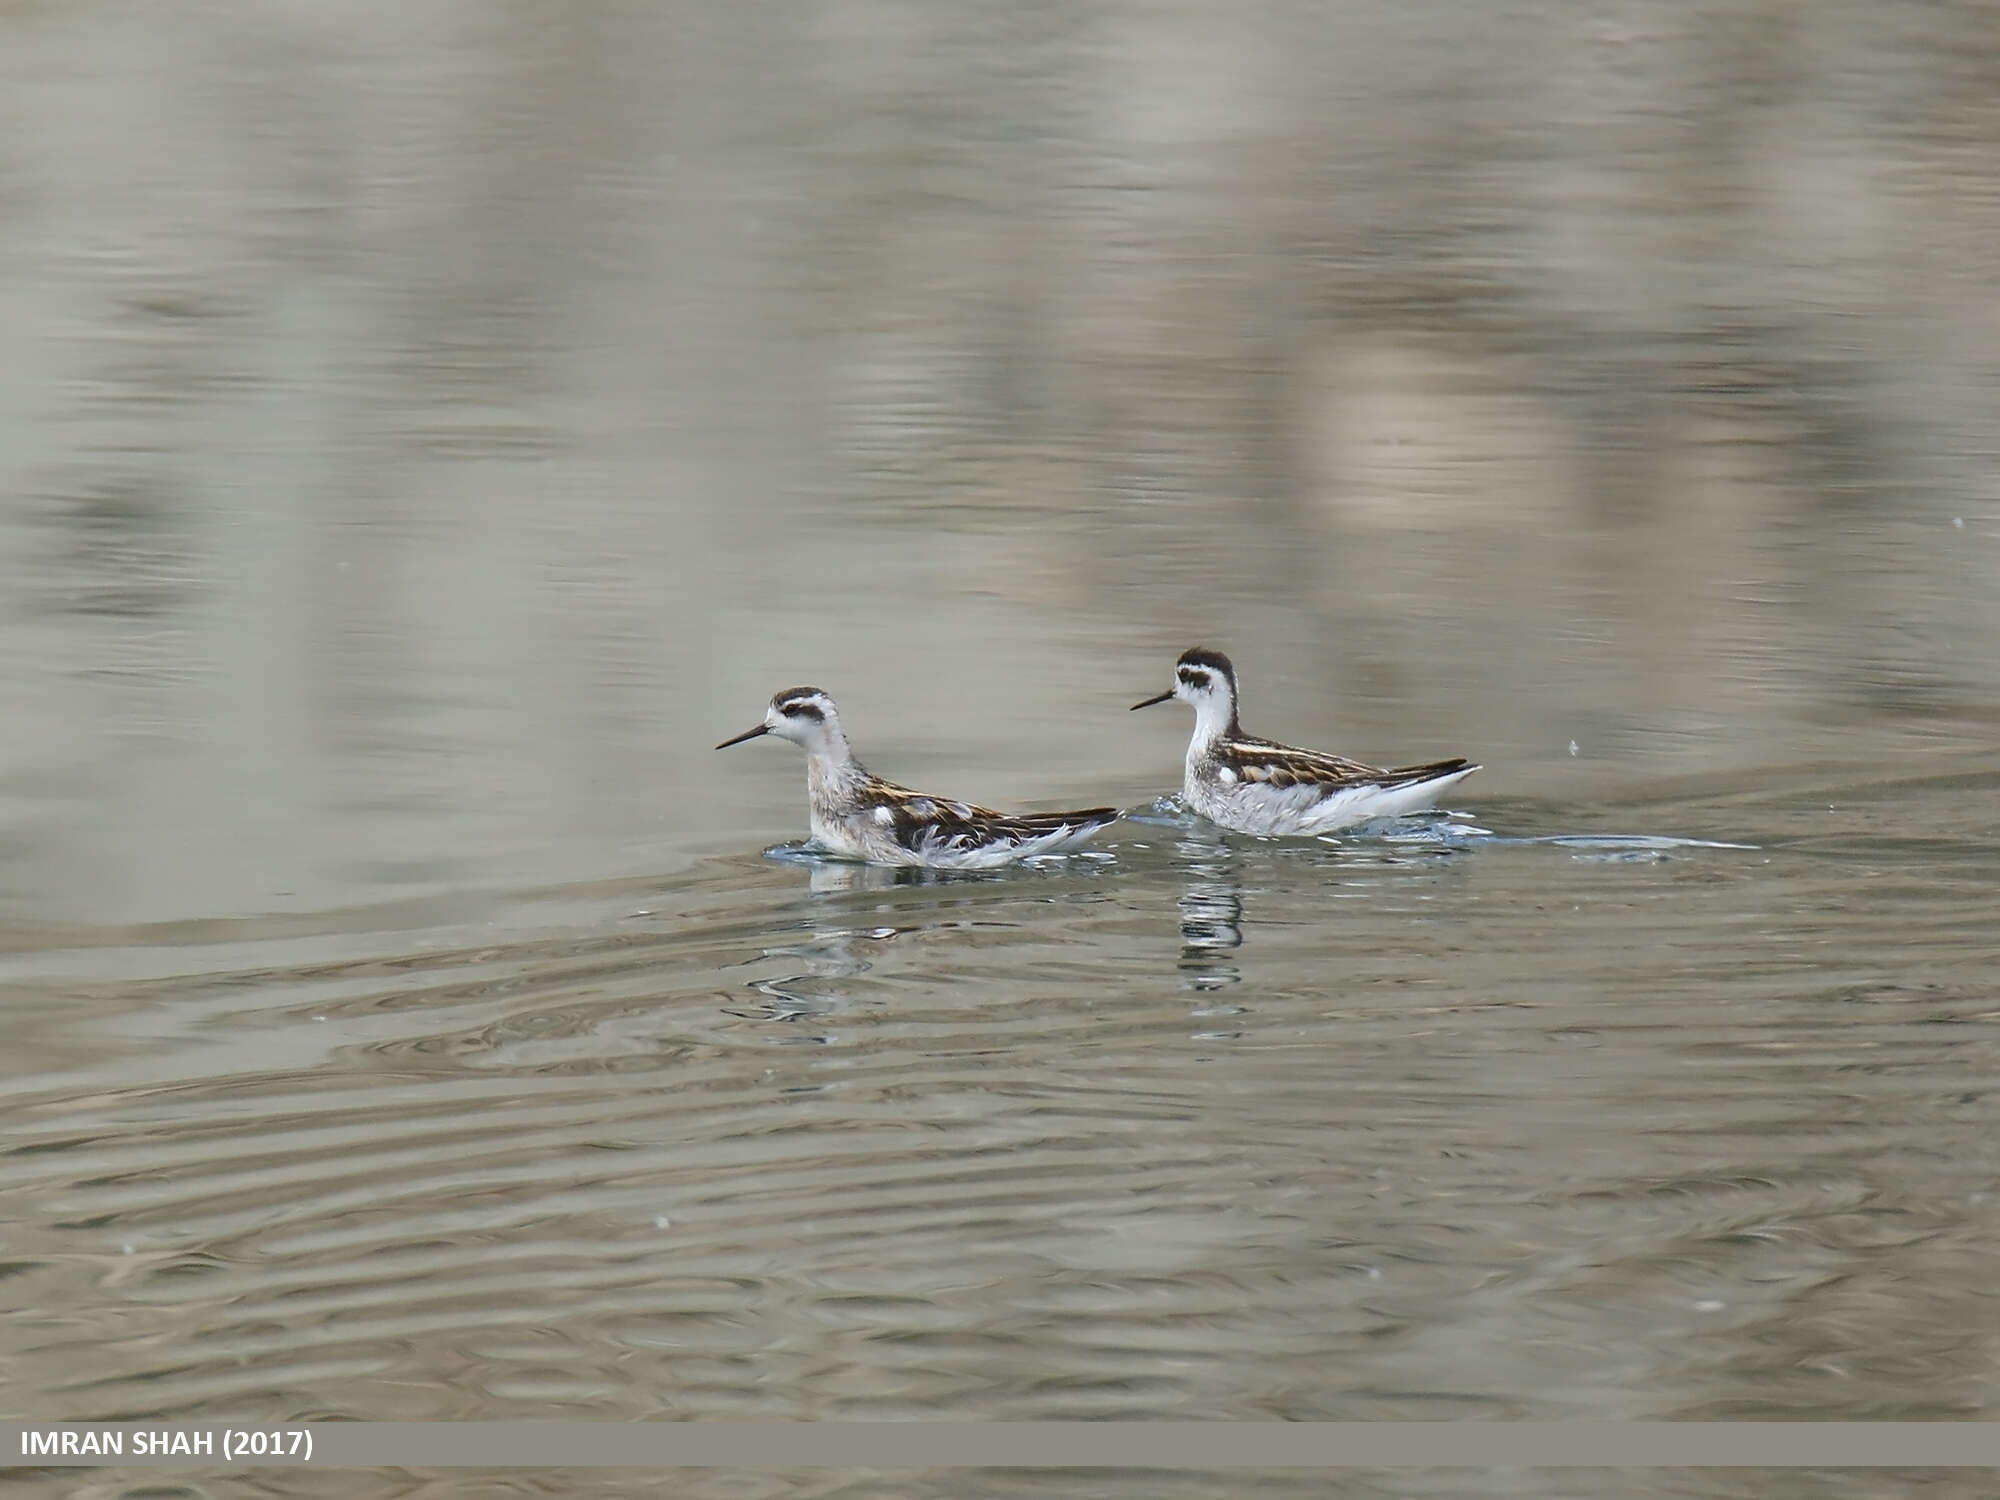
424, 435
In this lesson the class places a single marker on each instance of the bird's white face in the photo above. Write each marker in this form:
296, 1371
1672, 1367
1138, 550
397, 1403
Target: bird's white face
802, 716
1205, 680
1201, 684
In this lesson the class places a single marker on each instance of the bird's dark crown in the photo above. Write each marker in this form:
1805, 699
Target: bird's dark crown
801, 702
1214, 661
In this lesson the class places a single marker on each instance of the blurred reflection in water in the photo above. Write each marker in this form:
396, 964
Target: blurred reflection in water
1211, 907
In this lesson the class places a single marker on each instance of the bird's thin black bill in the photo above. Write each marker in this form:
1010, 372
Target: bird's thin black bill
748, 734
1156, 698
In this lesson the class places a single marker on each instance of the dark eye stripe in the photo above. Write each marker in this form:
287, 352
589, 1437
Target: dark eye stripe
1215, 661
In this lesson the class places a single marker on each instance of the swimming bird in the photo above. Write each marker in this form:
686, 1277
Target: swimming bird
858, 815
1258, 786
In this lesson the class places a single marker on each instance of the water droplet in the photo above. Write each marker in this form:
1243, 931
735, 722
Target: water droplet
661, 1221
1572, 747
1959, 522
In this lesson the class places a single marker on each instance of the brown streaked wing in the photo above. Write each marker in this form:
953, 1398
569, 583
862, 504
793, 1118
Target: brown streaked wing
920, 817
1286, 765
898, 799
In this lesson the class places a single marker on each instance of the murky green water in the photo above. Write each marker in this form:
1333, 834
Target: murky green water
424, 434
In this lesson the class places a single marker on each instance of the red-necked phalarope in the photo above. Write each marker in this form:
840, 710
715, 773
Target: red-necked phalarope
861, 816
1256, 786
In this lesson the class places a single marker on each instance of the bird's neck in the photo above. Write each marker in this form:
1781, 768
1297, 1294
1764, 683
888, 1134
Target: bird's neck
830, 764
1215, 719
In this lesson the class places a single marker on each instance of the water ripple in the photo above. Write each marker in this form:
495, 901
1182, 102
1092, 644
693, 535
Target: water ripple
1219, 1128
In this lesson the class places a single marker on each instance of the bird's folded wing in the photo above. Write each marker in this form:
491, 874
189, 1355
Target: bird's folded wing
918, 821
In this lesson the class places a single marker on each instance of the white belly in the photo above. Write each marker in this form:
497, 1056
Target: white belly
1259, 808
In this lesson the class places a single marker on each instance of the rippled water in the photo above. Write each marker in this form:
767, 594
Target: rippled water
425, 432
1426, 1123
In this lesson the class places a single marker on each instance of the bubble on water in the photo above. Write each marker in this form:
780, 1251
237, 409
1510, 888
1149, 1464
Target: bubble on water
1572, 747
661, 1221
1959, 522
